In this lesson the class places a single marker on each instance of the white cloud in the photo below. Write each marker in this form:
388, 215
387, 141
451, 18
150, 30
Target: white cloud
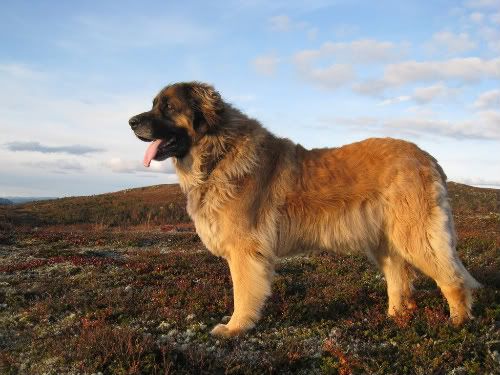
56, 112
33, 107
364, 51
479, 181
446, 41
486, 126
58, 166
424, 95
119, 165
483, 4
488, 99
463, 70
331, 77
345, 56
371, 87
491, 36
490, 121
266, 65
477, 17
283, 23
397, 99
45, 149
280, 23
495, 17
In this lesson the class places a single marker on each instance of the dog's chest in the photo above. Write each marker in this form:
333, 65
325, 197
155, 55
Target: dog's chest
206, 221
210, 233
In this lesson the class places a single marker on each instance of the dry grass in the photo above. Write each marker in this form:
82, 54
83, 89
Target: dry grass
135, 302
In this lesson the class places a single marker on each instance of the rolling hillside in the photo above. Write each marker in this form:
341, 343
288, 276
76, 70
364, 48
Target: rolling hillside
153, 205
122, 298
165, 204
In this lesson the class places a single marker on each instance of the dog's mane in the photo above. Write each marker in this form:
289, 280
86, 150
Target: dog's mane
227, 152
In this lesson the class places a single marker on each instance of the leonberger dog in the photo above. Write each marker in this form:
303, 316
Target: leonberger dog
255, 197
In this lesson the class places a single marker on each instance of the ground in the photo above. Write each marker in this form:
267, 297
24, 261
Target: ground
127, 300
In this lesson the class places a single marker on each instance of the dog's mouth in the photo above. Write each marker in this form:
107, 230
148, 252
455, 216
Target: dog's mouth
158, 149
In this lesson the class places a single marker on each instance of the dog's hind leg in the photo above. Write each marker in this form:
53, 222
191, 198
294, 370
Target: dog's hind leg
427, 241
439, 260
398, 275
251, 274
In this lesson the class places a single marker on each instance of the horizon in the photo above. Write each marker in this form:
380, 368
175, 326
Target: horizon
39, 198
322, 73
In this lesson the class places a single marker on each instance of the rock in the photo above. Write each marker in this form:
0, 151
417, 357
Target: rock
164, 325
458, 371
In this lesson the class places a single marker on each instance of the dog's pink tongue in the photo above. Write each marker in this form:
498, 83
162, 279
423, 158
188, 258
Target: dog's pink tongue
151, 152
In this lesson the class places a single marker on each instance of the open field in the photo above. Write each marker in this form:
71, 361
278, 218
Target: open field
86, 287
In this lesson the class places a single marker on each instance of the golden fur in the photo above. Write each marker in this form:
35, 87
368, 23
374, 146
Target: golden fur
255, 197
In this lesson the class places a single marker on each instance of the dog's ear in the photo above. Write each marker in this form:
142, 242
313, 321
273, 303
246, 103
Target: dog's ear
207, 104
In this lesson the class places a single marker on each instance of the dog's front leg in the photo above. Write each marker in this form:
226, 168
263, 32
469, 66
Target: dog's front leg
252, 276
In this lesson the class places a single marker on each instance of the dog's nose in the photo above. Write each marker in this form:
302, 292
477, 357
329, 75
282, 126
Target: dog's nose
133, 122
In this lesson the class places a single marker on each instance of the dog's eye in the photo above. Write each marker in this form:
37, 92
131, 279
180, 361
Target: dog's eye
170, 108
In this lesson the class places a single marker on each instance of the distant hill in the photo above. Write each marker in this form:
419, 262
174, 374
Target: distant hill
5, 202
20, 200
154, 205
165, 204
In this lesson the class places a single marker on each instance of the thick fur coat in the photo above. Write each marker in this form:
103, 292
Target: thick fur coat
255, 197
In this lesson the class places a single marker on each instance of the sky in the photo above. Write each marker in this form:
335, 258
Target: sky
322, 73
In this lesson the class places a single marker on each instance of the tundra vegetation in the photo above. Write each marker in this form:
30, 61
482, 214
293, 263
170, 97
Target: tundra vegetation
120, 284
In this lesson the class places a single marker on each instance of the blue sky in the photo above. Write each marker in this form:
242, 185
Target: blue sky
323, 73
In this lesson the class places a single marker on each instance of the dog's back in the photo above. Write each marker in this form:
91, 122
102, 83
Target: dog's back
385, 197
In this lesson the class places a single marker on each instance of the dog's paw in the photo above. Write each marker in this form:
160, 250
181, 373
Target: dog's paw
222, 330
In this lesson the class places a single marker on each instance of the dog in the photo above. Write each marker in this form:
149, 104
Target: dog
254, 198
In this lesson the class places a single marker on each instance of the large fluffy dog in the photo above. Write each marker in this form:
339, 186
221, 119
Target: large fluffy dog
255, 197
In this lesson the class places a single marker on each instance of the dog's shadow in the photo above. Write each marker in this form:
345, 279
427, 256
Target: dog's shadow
307, 290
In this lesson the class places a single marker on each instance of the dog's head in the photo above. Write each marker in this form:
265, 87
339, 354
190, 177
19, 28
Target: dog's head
182, 114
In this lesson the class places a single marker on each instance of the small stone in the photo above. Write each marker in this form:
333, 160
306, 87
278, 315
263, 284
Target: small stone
172, 332
190, 317
164, 325
128, 287
458, 371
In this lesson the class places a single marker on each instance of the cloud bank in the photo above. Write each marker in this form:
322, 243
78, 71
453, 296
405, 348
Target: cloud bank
38, 147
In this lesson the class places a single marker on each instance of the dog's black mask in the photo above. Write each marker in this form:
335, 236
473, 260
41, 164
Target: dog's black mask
153, 125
